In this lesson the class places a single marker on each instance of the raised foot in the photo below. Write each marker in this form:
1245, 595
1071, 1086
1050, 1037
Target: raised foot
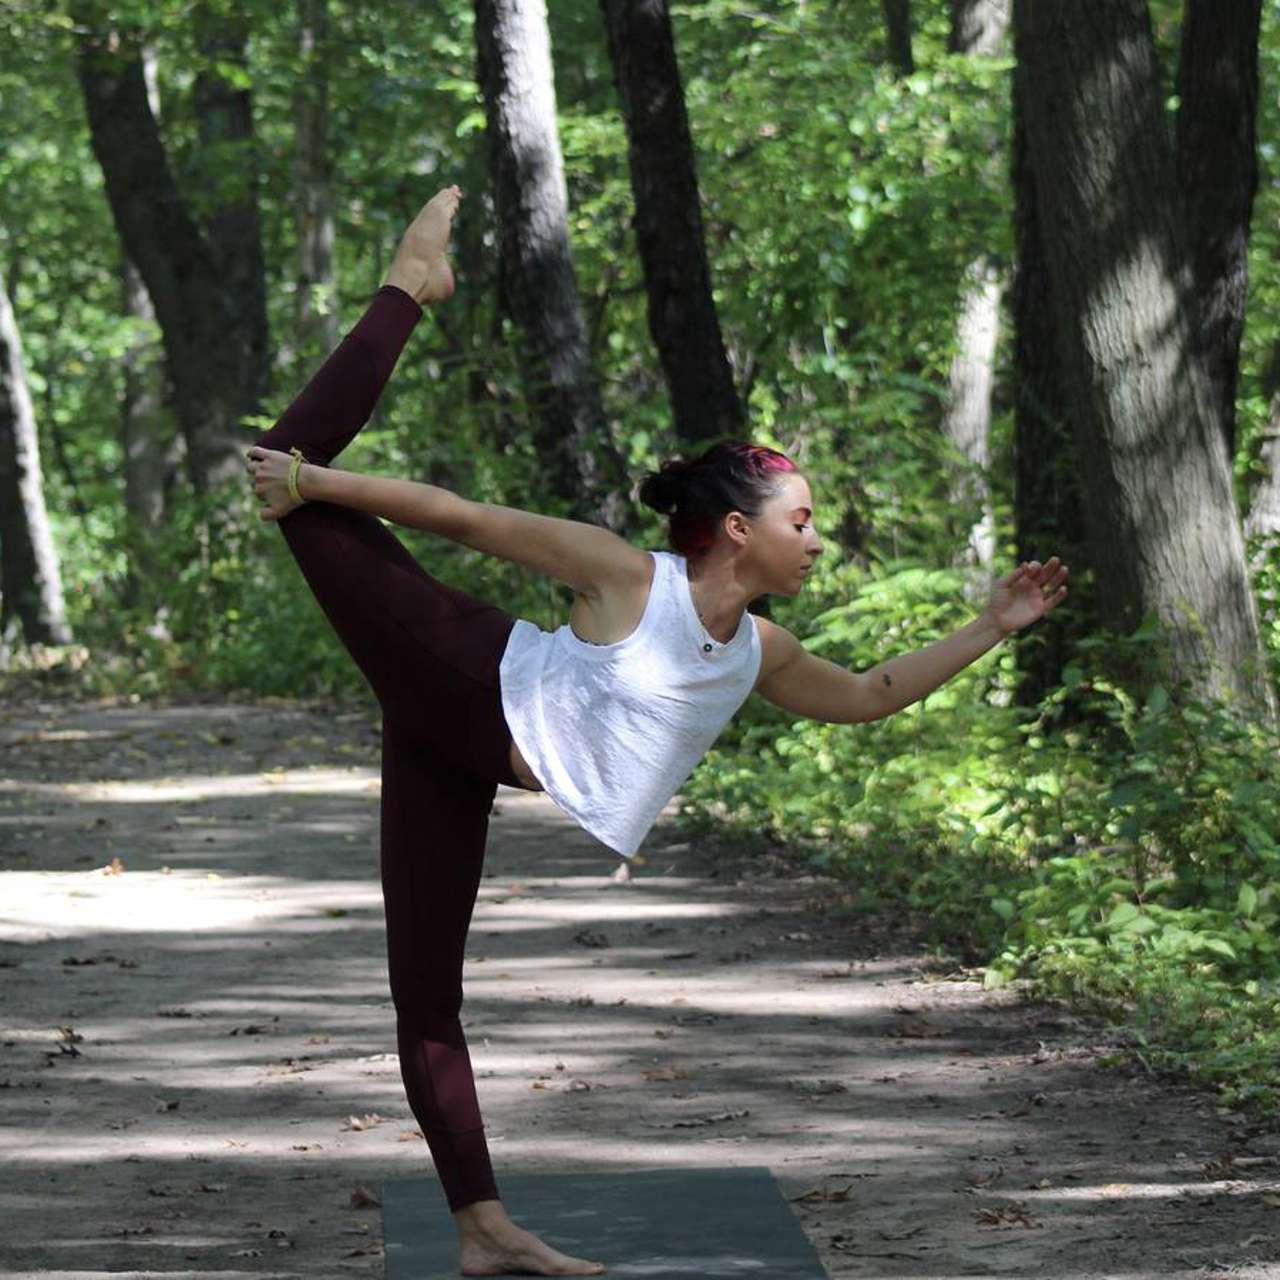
513, 1251
420, 267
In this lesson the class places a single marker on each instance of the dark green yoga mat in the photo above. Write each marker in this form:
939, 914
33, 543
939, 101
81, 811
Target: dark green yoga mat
657, 1223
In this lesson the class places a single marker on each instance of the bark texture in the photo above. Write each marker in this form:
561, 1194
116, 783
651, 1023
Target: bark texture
1164, 527
538, 286
30, 583
1046, 470
317, 314
668, 222
207, 285
1218, 172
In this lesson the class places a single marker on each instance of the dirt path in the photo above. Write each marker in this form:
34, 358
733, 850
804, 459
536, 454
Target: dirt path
196, 1040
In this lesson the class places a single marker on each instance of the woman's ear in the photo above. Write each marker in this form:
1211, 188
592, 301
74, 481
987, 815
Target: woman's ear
738, 527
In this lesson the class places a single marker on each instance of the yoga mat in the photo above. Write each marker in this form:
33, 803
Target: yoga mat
657, 1223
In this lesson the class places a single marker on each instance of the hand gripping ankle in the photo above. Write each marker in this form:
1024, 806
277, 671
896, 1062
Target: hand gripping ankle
294, 468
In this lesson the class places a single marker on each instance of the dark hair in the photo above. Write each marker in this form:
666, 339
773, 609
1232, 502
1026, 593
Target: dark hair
730, 476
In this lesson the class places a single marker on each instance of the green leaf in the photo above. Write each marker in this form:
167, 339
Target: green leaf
1247, 900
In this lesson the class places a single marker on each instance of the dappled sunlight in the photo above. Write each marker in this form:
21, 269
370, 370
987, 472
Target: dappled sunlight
39, 905
209, 786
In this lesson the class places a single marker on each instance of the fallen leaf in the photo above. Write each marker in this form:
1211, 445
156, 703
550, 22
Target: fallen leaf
363, 1198
359, 1123
666, 1073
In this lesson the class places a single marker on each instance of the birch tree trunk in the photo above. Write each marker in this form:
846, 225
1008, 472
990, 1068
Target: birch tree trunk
1164, 527
538, 286
30, 583
668, 223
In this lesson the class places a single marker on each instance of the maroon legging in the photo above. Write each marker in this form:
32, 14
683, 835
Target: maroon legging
431, 654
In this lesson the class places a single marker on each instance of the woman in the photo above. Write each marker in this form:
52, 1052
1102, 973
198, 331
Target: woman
609, 714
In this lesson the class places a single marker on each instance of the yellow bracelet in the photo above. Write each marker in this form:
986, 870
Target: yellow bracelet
294, 467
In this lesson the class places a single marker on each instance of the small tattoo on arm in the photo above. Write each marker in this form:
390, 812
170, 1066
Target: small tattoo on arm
886, 678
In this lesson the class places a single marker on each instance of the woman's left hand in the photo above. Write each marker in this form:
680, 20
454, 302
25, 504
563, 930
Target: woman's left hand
1028, 593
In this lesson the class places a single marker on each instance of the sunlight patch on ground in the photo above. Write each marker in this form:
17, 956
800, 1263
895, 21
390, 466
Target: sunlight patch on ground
38, 905
198, 786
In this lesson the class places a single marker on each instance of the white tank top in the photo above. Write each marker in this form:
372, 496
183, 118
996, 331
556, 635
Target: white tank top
612, 730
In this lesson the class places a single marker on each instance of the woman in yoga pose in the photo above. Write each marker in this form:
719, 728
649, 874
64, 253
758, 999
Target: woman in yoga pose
609, 714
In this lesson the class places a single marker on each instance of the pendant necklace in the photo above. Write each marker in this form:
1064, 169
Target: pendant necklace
706, 648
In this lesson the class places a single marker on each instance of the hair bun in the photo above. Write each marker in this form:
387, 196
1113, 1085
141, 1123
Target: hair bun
662, 489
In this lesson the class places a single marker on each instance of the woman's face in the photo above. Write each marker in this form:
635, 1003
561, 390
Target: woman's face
784, 539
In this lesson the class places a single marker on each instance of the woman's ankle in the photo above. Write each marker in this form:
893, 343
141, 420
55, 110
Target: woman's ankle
480, 1216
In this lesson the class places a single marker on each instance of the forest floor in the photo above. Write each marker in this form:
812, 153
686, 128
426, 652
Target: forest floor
197, 1068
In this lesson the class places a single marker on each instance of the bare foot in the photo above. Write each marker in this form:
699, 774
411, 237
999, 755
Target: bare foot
270, 470
420, 267
508, 1250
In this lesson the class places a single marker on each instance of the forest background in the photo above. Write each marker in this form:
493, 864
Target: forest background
1000, 279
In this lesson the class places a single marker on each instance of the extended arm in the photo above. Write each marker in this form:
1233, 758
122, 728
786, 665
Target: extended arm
585, 556
801, 682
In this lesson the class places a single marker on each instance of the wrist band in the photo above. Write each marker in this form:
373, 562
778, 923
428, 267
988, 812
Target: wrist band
294, 468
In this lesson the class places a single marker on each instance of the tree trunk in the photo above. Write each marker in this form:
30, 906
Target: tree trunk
1046, 473
897, 29
1218, 173
978, 29
967, 420
317, 313
1162, 516
152, 448
668, 223
208, 289
537, 285
30, 583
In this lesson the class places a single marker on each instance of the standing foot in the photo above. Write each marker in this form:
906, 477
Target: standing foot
492, 1245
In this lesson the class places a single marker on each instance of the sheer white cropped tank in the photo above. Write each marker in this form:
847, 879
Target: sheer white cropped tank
612, 730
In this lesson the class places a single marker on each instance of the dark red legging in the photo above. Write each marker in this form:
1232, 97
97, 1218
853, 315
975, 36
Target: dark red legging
431, 654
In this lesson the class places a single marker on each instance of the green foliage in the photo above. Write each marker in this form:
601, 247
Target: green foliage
1120, 850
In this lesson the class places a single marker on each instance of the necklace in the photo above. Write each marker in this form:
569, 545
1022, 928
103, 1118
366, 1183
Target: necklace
707, 637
